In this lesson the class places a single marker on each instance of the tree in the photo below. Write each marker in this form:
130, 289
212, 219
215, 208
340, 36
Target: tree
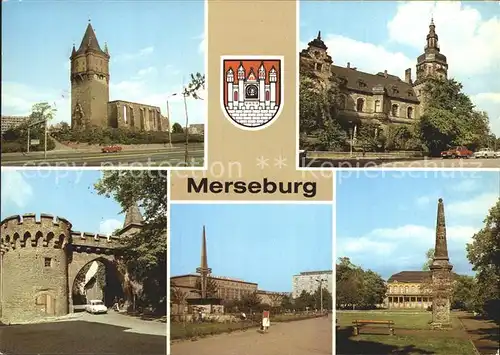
177, 128
450, 118
42, 111
250, 302
196, 84
370, 137
212, 287
464, 293
484, 254
326, 297
374, 289
318, 107
429, 257
144, 253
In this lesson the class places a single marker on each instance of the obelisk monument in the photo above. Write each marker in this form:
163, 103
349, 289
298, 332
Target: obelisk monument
204, 270
441, 275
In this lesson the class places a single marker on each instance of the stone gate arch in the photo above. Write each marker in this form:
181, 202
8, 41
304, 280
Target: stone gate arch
86, 249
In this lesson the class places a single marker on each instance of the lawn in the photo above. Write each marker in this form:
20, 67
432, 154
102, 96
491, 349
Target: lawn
401, 319
412, 335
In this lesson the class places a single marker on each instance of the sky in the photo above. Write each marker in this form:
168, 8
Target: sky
376, 36
386, 220
262, 243
66, 193
153, 49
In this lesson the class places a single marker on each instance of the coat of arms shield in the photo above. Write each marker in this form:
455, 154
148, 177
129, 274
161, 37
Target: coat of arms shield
252, 90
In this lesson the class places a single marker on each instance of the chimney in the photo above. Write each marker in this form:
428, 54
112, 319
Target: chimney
348, 64
385, 73
408, 75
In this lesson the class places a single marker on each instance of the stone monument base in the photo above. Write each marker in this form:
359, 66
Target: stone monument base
438, 326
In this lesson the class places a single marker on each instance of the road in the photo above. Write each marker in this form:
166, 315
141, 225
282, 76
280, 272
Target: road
311, 337
135, 158
436, 163
91, 335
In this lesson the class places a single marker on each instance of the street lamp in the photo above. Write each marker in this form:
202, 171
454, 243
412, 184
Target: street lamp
169, 120
321, 291
351, 138
184, 94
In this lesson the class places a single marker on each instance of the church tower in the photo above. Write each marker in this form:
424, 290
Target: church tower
316, 57
89, 83
134, 221
431, 64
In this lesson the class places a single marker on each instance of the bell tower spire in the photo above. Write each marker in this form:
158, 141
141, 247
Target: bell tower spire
89, 76
431, 64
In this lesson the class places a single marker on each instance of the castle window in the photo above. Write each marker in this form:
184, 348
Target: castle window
409, 112
359, 104
48, 262
394, 110
320, 66
377, 106
235, 96
268, 95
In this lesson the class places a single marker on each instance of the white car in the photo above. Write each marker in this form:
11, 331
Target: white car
497, 154
96, 307
485, 153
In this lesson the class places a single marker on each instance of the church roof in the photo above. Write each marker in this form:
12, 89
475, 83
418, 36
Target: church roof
89, 41
365, 82
133, 216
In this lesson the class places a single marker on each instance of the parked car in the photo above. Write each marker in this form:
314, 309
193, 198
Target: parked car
485, 153
96, 307
456, 152
497, 154
111, 149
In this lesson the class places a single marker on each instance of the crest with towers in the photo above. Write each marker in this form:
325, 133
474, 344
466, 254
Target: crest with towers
252, 90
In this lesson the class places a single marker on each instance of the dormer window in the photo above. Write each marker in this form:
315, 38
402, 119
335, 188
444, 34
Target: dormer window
395, 90
361, 83
410, 93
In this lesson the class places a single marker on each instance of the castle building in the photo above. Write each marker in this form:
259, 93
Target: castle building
90, 105
41, 259
407, 289
382, 98
310, 281
250, 95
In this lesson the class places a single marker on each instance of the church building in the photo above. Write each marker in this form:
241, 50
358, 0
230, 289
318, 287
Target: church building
382, 98
90, 105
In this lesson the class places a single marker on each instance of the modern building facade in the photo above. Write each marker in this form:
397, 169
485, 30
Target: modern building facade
310, 281
11, 122
379, 98
203, 284
90, 105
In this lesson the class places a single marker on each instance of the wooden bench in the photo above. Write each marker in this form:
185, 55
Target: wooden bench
359, 323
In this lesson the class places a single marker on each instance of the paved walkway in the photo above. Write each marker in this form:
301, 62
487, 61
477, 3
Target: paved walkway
485, 334
307, 337
134, 325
